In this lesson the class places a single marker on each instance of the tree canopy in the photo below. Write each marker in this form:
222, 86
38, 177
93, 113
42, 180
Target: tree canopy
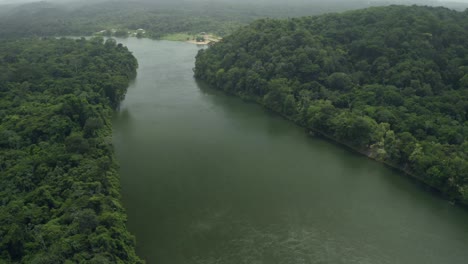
158, 18
59, 187
391, 82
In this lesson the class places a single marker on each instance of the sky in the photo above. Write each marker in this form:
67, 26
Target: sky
23, 1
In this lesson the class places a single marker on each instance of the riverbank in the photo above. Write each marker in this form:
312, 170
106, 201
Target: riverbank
199, 39
60, 189
229, 175
367, 152
205, 40
414, 130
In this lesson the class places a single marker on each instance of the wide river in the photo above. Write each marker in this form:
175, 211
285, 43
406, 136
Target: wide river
207, 178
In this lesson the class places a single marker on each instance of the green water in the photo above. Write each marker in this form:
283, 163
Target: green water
207, 178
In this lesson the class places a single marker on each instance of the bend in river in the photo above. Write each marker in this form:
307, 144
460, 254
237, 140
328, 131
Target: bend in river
207, 178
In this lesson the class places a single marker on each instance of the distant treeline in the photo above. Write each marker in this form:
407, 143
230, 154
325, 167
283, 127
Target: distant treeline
163, 17
157, 18
391, 82
59, 187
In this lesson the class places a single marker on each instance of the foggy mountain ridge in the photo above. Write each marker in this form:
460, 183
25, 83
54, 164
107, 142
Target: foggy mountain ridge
165, 17
254, 2
328, 6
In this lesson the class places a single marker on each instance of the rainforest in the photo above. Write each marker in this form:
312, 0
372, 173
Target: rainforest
59, 187
119, 146
390, 82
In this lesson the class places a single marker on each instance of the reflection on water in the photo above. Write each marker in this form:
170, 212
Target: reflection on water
207, 178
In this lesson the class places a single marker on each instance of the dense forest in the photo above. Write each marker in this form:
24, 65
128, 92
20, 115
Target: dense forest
49, 19
157, 18
390, 82
59, 187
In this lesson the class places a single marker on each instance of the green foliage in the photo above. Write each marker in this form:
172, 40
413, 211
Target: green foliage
388, 81
117, 18
58, 179
121, 33
160, 18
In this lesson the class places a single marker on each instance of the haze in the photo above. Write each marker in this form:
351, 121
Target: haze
431, 2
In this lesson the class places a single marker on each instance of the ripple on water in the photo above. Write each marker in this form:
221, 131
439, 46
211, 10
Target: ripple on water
246, 243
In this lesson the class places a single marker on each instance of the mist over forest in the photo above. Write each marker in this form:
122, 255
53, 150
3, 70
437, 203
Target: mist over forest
332, 4
387, 79
163, 18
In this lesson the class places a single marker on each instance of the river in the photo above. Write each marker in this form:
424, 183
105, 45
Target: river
207, 178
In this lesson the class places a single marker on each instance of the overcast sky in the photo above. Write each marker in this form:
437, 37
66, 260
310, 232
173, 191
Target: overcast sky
21, 1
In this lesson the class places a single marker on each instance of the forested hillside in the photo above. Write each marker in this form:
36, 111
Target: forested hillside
391, 82
50, 19
161, 18
59, 187
157, 18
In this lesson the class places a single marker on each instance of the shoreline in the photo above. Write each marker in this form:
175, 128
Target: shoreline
364, 152
197, 43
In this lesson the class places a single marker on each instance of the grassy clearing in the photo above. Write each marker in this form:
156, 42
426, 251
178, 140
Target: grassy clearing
178, 37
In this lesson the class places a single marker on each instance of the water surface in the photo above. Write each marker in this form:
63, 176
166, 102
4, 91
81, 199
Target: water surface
207, 178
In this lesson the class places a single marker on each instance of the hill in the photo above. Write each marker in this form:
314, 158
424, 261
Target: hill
390, 82
157, 18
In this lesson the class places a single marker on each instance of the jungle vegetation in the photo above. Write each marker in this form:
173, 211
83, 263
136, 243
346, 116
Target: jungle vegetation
390, 82
59, 187
157, 17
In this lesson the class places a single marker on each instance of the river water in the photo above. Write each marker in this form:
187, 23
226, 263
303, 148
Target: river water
207, 178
